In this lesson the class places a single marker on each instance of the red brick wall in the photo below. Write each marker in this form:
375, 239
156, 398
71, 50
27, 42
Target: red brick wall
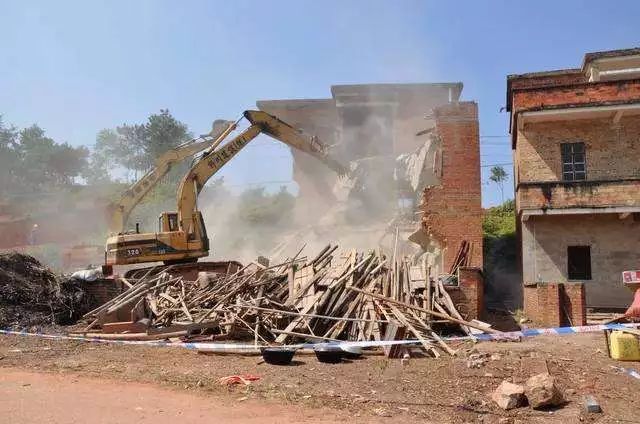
569, 76
588, 93
612, 151
541, 304
469, 295
575, 303
101, 291
548, 304
530, 302
452, 211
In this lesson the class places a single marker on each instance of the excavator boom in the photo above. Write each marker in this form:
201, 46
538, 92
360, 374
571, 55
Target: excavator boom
120, 211
210, 163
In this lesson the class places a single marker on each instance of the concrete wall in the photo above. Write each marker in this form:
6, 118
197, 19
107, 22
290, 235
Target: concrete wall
614, 248
579, 194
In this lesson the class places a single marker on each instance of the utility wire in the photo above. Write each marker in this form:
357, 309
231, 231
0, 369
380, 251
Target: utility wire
496, 164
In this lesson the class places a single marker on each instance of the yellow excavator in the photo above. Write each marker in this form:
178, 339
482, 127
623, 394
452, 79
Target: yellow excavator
118, 211
182, 236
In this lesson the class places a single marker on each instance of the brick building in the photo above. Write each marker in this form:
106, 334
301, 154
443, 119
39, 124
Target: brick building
576, 149
380, 124
376, 121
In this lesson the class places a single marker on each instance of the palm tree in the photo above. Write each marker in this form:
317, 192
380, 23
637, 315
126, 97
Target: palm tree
499, 176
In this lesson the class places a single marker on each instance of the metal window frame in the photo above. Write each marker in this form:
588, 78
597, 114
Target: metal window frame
567, 158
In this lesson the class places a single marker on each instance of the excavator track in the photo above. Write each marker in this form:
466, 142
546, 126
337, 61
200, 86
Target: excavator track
187, 270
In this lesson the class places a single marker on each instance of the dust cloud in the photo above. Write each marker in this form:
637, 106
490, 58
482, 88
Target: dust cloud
371, 208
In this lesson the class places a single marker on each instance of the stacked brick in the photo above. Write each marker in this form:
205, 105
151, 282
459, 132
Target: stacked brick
469, 294
101, 291
555, 304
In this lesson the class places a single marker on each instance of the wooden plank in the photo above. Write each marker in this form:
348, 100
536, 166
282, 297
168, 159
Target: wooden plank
293, 324
123, 327
435, 314
415, 331
301, 335
394, 331
452, 308
183, 327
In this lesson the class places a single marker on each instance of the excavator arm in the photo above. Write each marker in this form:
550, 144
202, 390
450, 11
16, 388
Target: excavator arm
120, 210
212, 160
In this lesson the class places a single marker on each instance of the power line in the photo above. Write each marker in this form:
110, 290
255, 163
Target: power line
496, 164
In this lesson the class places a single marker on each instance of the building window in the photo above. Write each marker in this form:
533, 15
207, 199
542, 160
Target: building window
574, 166
579, 262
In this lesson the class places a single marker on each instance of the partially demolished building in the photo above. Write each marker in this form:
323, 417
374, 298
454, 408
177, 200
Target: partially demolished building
576, 146
415, 150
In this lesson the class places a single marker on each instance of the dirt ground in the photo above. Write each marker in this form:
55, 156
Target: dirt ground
372, 389
35, 398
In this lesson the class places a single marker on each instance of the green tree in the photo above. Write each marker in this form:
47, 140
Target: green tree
43, 163
135, 147
161, 133
66, 162
8, 155
499, 176
97, 173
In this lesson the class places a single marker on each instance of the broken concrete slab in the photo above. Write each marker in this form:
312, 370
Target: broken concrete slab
542, 391
591, 405
508, 395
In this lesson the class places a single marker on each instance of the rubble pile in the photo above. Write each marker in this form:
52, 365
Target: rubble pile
351, 295
33, 296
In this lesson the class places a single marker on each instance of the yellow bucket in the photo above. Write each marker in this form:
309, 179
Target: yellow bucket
624, 346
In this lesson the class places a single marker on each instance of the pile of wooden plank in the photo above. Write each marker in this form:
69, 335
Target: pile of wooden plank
335, 295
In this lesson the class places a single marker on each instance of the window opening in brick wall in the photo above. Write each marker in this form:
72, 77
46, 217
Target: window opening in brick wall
574, 166
579, 263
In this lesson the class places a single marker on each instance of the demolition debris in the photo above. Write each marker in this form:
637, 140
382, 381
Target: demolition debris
352, 295
33, 296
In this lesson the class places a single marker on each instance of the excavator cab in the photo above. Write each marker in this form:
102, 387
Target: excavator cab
169, 245
168, 221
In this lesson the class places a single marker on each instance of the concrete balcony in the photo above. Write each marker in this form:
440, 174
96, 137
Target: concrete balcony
575, 197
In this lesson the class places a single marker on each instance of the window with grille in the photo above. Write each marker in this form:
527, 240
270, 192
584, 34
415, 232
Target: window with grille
574, 166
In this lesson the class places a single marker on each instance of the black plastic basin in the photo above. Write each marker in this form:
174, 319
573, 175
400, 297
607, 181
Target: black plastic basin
278, 355
329, 354
351, 352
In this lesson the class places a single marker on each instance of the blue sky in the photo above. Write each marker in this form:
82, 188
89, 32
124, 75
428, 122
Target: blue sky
75, 67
